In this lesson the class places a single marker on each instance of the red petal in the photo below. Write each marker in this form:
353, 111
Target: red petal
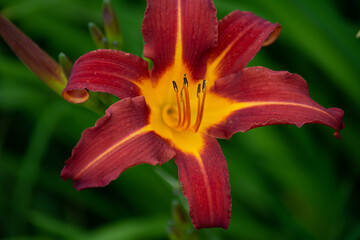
108, 71
160, 29
118, 141
241, 35
264, 97
205, 180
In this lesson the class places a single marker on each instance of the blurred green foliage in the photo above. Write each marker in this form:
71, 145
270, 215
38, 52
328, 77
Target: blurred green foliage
287, 183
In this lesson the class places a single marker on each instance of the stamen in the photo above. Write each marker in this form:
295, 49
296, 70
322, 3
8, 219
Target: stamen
199, 104
178, 103
175, 86
185, 81
198, 90
200, 108
183, 107
187, 103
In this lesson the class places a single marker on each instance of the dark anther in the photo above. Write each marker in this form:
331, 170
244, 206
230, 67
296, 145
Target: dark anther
204, 86
185, 81
198, 89
175, 86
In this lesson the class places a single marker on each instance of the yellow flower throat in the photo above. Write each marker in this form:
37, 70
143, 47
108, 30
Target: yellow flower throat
177, 110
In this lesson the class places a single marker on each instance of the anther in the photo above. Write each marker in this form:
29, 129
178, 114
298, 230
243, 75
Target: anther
198, 90
186, 84
175, 86
203, 86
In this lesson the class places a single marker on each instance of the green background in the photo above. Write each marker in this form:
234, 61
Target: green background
286, 183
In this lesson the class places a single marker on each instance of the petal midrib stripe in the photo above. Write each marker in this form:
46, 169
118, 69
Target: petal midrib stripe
244, 105
110, 149
214, 63
207, 184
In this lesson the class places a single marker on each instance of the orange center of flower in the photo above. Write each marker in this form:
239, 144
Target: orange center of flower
179, 116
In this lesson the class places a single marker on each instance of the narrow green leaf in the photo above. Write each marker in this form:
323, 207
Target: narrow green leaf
54, 226
131, 229
31, 163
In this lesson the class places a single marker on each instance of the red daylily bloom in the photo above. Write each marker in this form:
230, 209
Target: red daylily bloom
171, 112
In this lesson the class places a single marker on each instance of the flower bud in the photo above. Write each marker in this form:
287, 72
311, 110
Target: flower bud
111, 25
37, 60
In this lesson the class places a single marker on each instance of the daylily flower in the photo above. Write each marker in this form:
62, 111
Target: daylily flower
198, 90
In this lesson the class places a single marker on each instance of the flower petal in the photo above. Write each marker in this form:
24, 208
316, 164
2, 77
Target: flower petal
178, 32
205, 180
261, 97
108, 71
119, 140
241, 35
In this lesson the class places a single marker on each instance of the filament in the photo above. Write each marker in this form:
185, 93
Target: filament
200, 106
178, 103
184, 107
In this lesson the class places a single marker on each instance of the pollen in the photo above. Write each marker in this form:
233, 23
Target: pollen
184, 105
